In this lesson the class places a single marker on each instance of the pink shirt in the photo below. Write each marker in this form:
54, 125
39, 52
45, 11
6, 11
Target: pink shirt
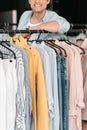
84, 70
75, 88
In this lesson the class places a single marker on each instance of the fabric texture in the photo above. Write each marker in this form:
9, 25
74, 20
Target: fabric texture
37, 85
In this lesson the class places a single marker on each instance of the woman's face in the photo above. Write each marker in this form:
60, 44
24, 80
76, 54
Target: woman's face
38, 5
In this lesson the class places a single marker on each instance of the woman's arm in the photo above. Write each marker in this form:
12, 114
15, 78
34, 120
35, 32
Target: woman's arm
51, 26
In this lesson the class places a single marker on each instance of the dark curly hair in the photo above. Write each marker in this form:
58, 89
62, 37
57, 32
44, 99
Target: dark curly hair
48, 6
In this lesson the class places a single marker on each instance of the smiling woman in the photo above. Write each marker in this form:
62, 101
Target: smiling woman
49, 6
39, 5
39, 18
39, 9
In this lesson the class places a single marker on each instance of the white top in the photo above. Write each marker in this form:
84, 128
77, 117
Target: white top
35, 35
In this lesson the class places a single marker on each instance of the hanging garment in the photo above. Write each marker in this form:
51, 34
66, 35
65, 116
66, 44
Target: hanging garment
62, 85
37, 84
49, 79
23, 92
54, 123
47, 74
75, 93
83, 44
10, 91
2, 98
28, 99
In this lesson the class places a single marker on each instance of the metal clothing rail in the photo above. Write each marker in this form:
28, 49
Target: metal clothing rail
73, 28
72, 25
22, 31
78, 26
13, 32
76, 31
71, 32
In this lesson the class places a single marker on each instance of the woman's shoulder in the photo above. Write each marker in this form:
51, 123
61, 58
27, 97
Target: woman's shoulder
24, 19
26, 13
50, 15
51, 12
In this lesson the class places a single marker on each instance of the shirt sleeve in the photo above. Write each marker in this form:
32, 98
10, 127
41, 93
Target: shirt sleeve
64, 25
22, 25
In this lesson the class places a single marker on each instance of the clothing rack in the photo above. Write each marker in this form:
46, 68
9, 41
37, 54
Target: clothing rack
78, 26
75, 29
13, 32
73, 32
71, 25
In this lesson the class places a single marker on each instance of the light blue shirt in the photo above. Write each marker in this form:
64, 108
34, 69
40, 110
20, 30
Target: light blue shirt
54, 123
64, 25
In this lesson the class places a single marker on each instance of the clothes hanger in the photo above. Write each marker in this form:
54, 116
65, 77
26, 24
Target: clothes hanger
1, 54
38, 40
2, 44
6, 45
50, 45
52, 42
70, 43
